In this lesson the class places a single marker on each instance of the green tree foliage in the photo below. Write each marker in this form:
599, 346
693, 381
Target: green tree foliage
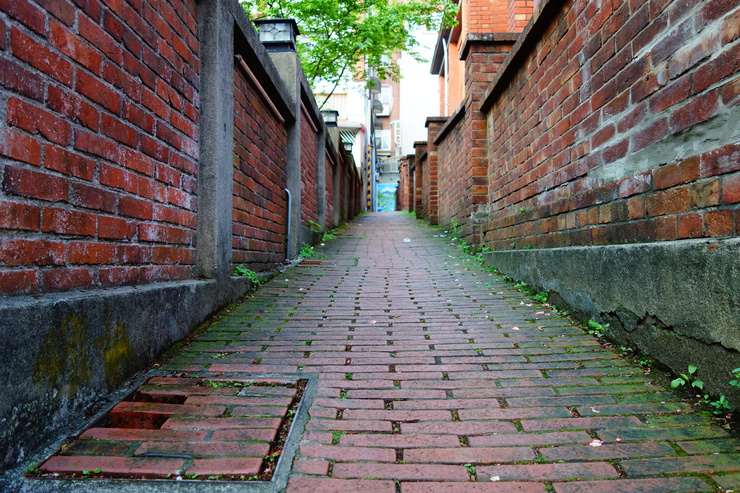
343, 38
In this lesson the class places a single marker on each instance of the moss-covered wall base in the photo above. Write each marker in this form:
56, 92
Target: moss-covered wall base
679, 302
62, 352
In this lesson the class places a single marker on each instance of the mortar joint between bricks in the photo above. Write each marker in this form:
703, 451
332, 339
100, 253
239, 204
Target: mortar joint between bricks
679, 451
616, 465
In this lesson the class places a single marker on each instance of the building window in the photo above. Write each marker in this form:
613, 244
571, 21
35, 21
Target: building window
383, 140
386, 99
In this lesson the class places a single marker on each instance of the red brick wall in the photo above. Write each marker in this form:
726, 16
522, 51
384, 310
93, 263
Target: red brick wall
418, 179
477, 17
430, 184
519, 13
259, 200
454, 171
404, 185
330, 193
591, 140
463, 149
99, 147
486, 16
309, 171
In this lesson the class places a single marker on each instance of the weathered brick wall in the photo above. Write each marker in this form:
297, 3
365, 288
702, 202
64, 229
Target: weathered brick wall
418, 178
454, 171
476, 17
331, 196
309, 172
617, 124
463, 145
105, 130
404, 184
259, 199
98, 154
430, 184
485, 16
519, 12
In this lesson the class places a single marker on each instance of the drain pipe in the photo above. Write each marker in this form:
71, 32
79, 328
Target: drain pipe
287, 233
445, 54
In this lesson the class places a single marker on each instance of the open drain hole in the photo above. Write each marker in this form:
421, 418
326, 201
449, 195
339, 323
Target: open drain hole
185, 429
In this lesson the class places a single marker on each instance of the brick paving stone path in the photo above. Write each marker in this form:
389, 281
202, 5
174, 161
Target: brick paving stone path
435, 375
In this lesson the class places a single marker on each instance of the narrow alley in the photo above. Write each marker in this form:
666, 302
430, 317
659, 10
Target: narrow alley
429, 374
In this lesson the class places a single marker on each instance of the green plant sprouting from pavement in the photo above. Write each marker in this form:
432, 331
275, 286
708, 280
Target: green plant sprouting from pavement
307, 251
242, 271
594, 328
687, 378
539, 297
735, 382
314, 226
720, 406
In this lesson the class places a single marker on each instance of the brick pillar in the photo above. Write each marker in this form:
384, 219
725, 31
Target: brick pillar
484, 54
431, 185
519, 13
421, 152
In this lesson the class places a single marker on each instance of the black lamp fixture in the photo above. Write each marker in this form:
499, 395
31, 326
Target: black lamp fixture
277, 34
377, 107
330, 117
374, 85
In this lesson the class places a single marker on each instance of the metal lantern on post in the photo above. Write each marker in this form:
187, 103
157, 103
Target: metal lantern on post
330, 117
277, 34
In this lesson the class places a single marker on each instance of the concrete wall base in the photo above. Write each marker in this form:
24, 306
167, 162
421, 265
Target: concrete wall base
63, 352
679, 301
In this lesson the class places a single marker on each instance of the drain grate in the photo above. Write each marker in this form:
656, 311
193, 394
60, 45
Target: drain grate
185, 429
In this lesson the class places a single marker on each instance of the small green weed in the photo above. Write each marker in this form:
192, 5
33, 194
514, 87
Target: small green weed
594, 328
735, 382
470, 468
684, 379
720, 406
540, 297
242, 271
307, 251
314, 226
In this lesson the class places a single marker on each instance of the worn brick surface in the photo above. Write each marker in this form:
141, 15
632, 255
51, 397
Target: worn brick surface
100, 135
395, 329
